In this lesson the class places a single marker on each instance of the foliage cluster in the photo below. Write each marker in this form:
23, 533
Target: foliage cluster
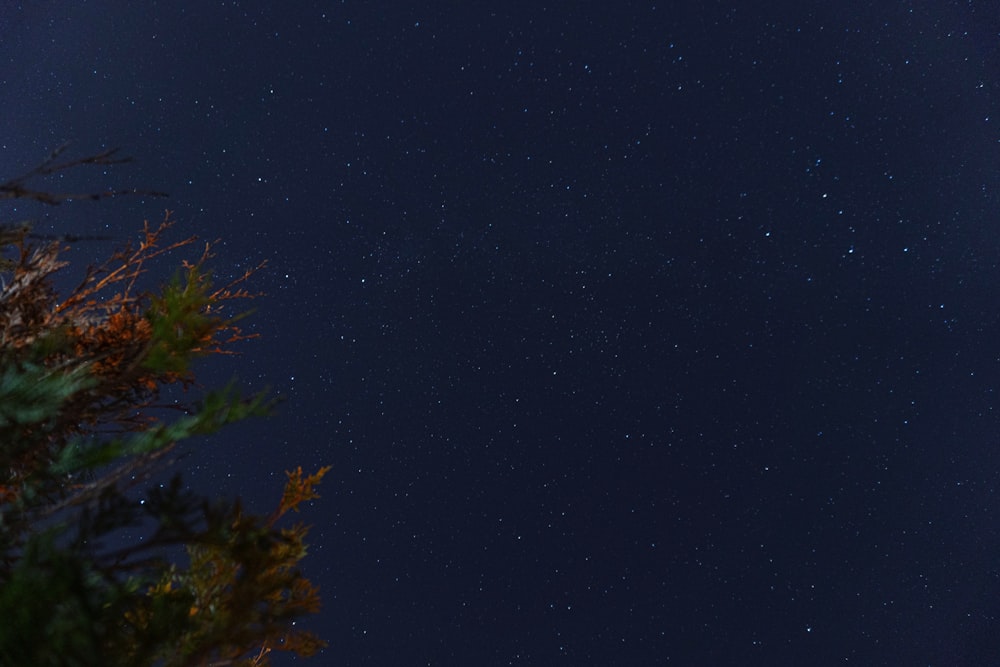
83, 433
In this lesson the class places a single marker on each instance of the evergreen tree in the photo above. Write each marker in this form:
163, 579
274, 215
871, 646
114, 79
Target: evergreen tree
82, 433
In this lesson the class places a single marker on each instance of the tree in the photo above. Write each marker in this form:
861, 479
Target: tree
84, 430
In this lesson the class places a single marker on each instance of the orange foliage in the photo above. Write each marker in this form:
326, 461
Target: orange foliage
297, 490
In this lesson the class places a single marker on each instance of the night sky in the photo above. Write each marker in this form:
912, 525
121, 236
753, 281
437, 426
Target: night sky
635, 333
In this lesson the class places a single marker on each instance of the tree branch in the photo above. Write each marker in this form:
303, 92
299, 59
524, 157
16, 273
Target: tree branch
17, 188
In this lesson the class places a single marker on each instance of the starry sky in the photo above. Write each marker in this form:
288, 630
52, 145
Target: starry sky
635, 333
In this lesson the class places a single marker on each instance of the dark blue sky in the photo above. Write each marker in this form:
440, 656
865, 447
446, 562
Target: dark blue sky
634, 332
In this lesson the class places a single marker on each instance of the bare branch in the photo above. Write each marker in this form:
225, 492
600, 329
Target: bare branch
18, 188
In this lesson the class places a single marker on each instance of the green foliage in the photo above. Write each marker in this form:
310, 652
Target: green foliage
32, 395
180, 322
55, 586
218, 409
